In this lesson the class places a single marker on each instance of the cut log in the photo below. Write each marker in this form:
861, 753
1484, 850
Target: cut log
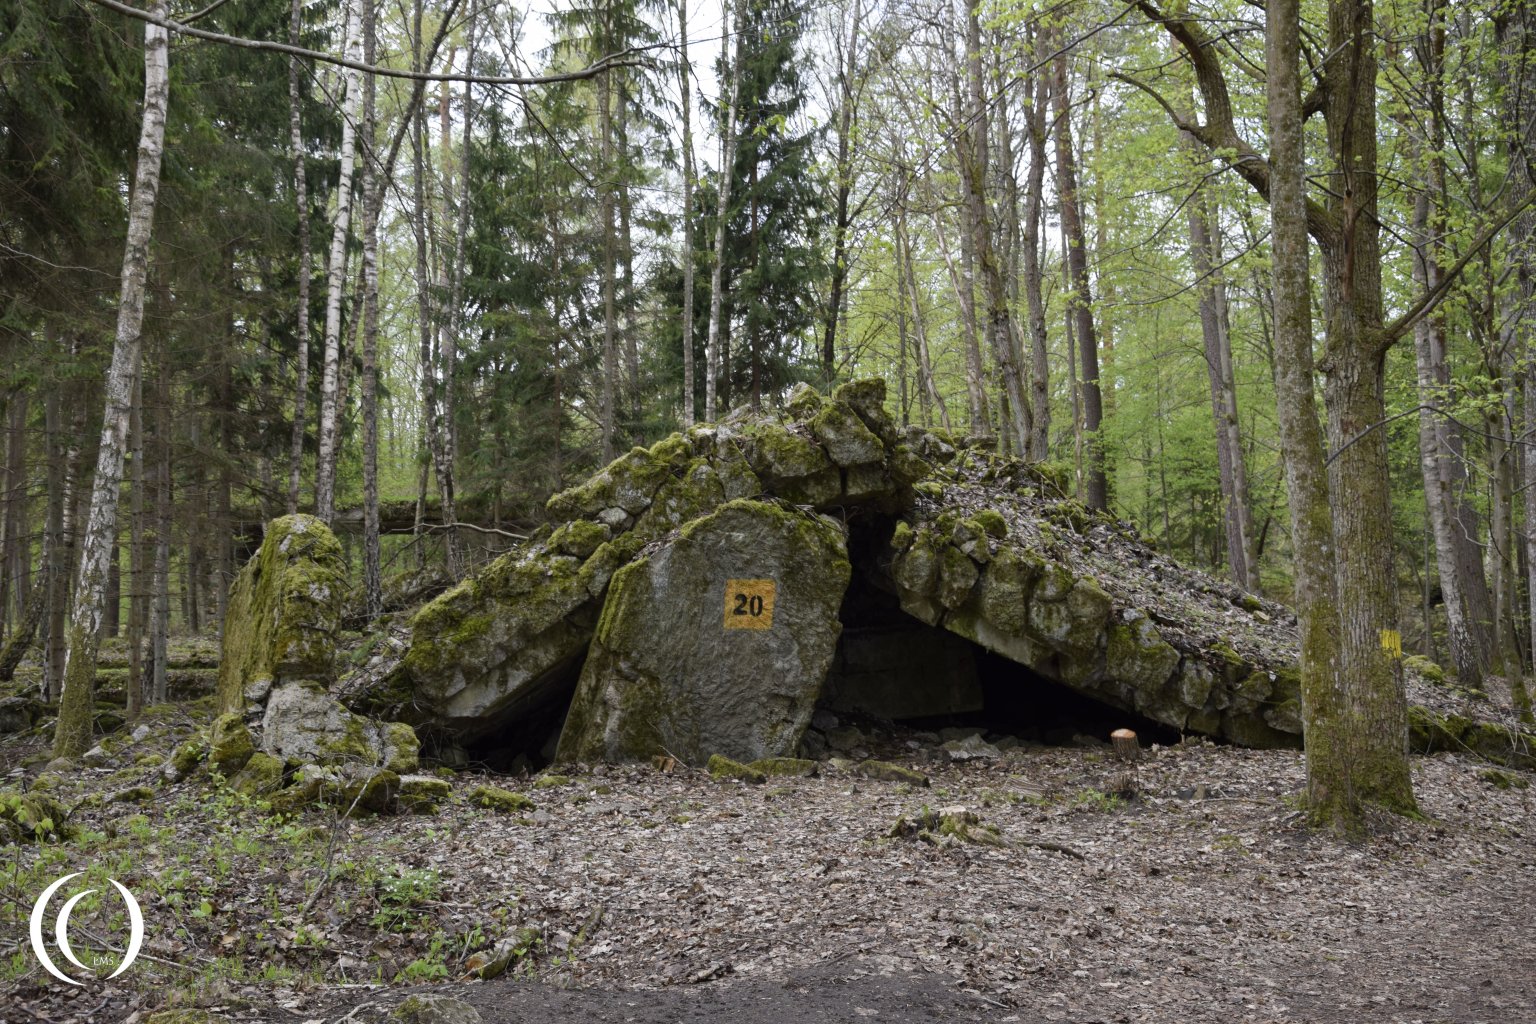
1127, 747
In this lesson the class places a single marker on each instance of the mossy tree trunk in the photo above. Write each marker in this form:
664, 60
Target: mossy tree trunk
73, 733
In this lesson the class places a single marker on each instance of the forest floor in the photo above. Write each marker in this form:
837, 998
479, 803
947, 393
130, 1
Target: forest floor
628, 893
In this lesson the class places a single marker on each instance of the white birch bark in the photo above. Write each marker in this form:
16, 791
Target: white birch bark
73, 734
336, 272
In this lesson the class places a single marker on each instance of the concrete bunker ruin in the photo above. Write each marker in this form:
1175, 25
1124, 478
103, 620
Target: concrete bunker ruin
710, 593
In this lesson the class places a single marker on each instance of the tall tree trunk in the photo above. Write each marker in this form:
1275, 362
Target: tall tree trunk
136, 559
847, 65
306, 264
448, 349
1519, 63
160, 584
928, 389
73, 733
1029, 256
685, 87
373, 201
712, 351
626, 254
610, 261
1295, 402
1458, 562
974, 161
1374, 727
1081, 299
1205, 255
336, 274
18, 543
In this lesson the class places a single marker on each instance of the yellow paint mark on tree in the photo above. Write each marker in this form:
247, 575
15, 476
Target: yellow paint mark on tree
749, 604
1392, 642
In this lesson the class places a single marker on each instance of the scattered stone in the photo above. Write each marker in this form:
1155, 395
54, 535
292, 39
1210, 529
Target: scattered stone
422, 794
723, 769
262, 775
184, 760
971, 748
31, 817
305, 725
884, 771
785, 766
502, 801
132, 795
494, 962
229, 744
18, 713
430, 1008
845, 738
955, 823
551, 781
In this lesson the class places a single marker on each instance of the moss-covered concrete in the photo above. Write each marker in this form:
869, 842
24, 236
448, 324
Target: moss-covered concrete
283, 613
229, 743
680, 665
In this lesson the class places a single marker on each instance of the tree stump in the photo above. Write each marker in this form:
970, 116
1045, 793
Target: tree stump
1127, 747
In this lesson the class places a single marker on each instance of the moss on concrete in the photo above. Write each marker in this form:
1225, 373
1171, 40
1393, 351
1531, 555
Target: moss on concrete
284, 609
502, 801
885, 771
723, 769
229, 744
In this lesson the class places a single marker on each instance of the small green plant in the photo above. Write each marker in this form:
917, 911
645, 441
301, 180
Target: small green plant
401, 895
1096, 800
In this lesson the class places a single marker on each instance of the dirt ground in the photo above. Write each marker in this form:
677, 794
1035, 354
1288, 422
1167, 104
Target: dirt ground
635, 894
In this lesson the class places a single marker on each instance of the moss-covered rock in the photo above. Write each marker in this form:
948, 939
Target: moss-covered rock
262, 775
31, 817
351, 788
957, 577
306, 725
1425, 668
845, 437
502, 801
498, 645
717, 642
785, 766
422, 794
1136, 653
283, 613
723, 769
229, 743
184, 760
885, 771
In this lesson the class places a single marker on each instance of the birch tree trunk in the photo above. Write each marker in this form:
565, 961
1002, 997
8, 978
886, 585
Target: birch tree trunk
72, 735
685, 86
306, 266
712, 354
336, 274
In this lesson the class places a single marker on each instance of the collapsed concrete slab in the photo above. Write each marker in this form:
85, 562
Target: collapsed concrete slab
716, 642
612, 612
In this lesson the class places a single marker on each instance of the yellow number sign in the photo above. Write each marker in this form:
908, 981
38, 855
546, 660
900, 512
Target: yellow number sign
749, 604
